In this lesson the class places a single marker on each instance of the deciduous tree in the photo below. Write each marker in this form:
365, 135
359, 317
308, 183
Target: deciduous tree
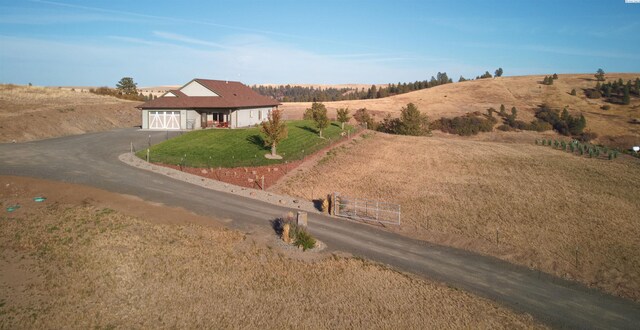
343, 116
319, 113
275, 130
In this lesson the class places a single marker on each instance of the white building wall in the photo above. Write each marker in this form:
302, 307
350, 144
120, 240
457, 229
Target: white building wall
194, 116
145, 119
249, 117
195, 89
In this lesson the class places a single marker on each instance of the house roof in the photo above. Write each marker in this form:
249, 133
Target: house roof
231, 94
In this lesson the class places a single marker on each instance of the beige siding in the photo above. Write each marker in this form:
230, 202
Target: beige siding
195, 89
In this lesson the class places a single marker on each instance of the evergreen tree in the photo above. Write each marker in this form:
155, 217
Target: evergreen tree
412, 122
626, 99
275, 130
499, 72
555, 76
126, 86
599, 75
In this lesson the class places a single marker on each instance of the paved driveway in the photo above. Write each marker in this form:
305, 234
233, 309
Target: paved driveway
92, 159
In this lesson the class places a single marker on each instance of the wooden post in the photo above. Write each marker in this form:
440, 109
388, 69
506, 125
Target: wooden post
285, 233
131, 149
147, 155
262, 186
302, 219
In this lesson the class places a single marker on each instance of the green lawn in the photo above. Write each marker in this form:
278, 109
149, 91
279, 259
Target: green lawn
240, 147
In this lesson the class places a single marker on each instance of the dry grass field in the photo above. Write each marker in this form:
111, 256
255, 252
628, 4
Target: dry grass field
524, 92
543, 204
32, 113
75, 261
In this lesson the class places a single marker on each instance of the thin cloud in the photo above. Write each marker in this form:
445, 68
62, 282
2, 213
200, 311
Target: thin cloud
188, 40
199, 22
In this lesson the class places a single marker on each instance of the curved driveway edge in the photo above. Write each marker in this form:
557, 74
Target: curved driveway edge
92, 159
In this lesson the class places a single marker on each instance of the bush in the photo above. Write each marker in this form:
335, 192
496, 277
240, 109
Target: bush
593, 94
465, 125
573, 92
605, 107
304, 239
507, 128
586, 136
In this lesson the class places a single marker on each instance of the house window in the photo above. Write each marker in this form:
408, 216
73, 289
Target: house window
251, 114
259, 114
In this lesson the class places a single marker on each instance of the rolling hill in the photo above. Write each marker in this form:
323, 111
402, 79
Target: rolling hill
523, 92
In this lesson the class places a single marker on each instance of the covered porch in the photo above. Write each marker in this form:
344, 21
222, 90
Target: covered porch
215, 118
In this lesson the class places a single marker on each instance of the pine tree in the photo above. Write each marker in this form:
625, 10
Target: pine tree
126, 86
626, 98
599, 75
412, 122
555, 76
499, 72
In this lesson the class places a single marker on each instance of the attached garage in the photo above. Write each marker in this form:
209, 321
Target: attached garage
203, 103
164, 120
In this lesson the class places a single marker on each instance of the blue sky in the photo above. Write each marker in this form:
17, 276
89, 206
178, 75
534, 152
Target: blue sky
93, 43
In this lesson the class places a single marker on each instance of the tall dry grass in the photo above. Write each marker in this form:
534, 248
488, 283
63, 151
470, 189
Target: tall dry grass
30, 113
528, 204
70, 266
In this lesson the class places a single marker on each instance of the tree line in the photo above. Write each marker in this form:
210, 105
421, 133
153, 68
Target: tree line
289, 93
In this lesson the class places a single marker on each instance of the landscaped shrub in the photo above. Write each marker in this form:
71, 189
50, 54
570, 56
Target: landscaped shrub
304, 239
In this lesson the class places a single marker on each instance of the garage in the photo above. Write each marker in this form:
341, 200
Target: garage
164, 120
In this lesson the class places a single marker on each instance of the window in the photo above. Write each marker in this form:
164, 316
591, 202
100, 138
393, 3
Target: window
251, 114
259, 114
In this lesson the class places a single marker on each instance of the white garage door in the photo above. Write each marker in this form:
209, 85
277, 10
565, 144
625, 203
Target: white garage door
164, 119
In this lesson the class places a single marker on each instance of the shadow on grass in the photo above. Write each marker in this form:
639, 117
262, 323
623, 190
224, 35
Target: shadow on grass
336, 125
309, 129
258, 141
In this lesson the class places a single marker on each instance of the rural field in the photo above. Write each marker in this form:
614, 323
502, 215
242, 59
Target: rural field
33, 113
523, 92
86, 258
498, 194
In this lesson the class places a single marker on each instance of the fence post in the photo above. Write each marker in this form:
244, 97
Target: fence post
147, 155
262, 186
131, 148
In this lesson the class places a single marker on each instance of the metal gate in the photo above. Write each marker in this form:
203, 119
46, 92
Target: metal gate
366, 210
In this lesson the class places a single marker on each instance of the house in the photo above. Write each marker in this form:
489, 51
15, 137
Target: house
203, 103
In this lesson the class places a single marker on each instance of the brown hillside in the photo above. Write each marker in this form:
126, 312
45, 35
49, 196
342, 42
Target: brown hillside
525, 93
32, 113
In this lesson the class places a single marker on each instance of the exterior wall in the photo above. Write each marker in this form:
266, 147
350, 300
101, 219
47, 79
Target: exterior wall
169, 94
145, 119
195, 89
249, 117
193, 116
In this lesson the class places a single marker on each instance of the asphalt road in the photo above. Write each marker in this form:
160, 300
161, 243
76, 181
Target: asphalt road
92, 159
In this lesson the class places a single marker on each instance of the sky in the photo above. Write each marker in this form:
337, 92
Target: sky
95, 43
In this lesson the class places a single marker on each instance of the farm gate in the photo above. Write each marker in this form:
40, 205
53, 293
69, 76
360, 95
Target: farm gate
366, 210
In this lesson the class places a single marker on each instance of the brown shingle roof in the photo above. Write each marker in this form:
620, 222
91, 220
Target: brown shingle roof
232, 94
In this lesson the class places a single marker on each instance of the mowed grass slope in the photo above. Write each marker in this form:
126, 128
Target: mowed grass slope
571, 216
241, 147
78, 266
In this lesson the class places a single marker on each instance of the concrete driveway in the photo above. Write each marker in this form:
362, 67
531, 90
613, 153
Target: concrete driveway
92, 159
